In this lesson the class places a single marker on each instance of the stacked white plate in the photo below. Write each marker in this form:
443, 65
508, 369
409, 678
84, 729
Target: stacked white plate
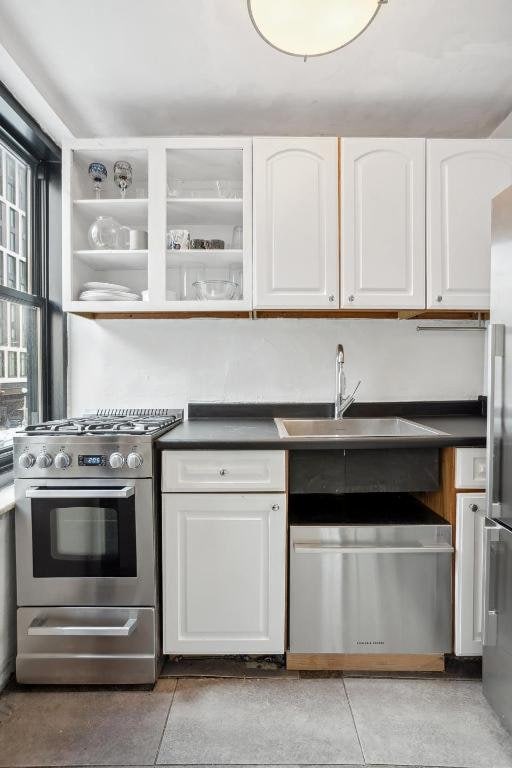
107, 292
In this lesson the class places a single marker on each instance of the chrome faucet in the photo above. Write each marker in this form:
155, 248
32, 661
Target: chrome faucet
342, 402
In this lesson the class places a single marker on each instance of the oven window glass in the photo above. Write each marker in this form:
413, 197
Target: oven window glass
84, 537
84, 533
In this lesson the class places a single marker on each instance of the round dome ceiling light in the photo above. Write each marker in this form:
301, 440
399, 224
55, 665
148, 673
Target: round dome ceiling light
311, 27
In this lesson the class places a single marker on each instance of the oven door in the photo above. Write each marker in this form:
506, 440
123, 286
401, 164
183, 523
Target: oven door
85, 542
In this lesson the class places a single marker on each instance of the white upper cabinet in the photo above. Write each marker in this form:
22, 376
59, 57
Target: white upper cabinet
382, 201
462, 178
179, 240
295, 214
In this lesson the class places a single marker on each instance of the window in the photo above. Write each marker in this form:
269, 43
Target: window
20, 311
32, 326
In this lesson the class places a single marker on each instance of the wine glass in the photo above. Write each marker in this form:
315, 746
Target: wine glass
98, 175
122, 175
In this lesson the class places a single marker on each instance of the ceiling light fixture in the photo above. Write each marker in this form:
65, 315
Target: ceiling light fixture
311, 27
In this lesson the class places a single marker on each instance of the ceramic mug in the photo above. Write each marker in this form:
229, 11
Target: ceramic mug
138, 239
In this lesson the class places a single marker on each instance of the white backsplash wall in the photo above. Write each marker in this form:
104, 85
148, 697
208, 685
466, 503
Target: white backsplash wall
168, 363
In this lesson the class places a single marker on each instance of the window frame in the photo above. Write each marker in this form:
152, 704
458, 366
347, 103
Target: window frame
23, 137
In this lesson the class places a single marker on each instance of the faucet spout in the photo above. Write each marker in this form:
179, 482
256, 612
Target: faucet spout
341, 401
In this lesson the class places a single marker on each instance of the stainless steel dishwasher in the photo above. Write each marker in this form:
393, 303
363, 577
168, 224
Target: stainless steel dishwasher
369, 575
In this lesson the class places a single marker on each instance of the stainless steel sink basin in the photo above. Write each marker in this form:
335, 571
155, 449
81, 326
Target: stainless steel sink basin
337, 429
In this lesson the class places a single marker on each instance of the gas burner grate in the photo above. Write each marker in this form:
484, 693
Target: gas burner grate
112, 421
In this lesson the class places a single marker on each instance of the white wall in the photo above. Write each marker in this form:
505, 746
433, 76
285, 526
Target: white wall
7, 597
168, 363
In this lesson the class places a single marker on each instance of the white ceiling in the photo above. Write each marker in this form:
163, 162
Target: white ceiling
150, 67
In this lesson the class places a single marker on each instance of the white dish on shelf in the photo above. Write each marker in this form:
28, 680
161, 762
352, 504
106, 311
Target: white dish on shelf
106, 287
109, 296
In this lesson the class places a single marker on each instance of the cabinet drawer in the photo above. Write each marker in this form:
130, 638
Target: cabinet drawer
223, 471
470, 468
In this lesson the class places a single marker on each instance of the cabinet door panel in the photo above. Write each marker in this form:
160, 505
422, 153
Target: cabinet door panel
295, 222
383, 223
462, 178
224, 573
469, 560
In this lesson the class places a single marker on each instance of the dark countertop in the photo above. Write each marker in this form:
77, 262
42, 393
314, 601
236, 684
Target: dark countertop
261, 433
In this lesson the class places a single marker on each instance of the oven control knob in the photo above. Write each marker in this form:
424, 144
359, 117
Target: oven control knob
26, 460
116, 460
44, 460
62, 460
134, 460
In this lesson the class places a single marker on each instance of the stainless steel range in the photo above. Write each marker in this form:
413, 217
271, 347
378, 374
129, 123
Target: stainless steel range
87, 548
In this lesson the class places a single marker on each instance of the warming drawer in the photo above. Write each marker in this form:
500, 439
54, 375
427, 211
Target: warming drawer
87, 645
371, 588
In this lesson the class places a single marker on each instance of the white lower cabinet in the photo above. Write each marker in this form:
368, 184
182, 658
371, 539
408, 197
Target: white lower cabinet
224, 573
469, 573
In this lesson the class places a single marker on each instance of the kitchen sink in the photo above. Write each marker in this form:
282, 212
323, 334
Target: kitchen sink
338, 429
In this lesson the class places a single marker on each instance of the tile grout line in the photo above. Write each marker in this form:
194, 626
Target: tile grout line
165, 724
354, 721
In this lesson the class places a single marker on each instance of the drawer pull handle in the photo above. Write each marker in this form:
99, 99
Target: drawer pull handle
40, 627
275, 507
223, 472
325, 549
474, 507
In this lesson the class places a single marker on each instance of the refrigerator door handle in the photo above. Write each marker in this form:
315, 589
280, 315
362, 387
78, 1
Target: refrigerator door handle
496, 342
490, 606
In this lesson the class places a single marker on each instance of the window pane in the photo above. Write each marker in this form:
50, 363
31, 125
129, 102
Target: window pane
3, 224
23, 249
10, 173
15, 325
22, 275
22, 186
19, 380
12, 371
13, 230
4, 308
11, 271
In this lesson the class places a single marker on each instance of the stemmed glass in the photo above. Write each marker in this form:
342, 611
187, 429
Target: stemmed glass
122, 175
98, 175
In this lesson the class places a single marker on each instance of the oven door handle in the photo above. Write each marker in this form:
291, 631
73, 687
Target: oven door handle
39, 627
37, 492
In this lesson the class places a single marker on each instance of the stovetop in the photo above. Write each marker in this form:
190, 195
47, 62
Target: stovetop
111, 422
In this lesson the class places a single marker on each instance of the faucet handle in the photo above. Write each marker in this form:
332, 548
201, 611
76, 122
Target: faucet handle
352, 396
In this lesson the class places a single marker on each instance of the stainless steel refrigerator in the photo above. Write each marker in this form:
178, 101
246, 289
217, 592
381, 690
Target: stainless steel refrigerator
497, 603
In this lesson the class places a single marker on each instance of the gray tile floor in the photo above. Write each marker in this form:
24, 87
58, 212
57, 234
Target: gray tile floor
257, 722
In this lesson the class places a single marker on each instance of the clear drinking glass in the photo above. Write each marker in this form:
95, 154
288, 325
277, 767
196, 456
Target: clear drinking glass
236, 275
238, 238
190, 274
123, 175
98, 175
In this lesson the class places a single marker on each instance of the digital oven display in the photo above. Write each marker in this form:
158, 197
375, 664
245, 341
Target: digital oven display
92, 460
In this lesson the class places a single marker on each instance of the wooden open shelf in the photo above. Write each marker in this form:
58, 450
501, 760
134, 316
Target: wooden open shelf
313, 314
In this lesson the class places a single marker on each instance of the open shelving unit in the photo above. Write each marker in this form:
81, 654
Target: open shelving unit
215, 188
